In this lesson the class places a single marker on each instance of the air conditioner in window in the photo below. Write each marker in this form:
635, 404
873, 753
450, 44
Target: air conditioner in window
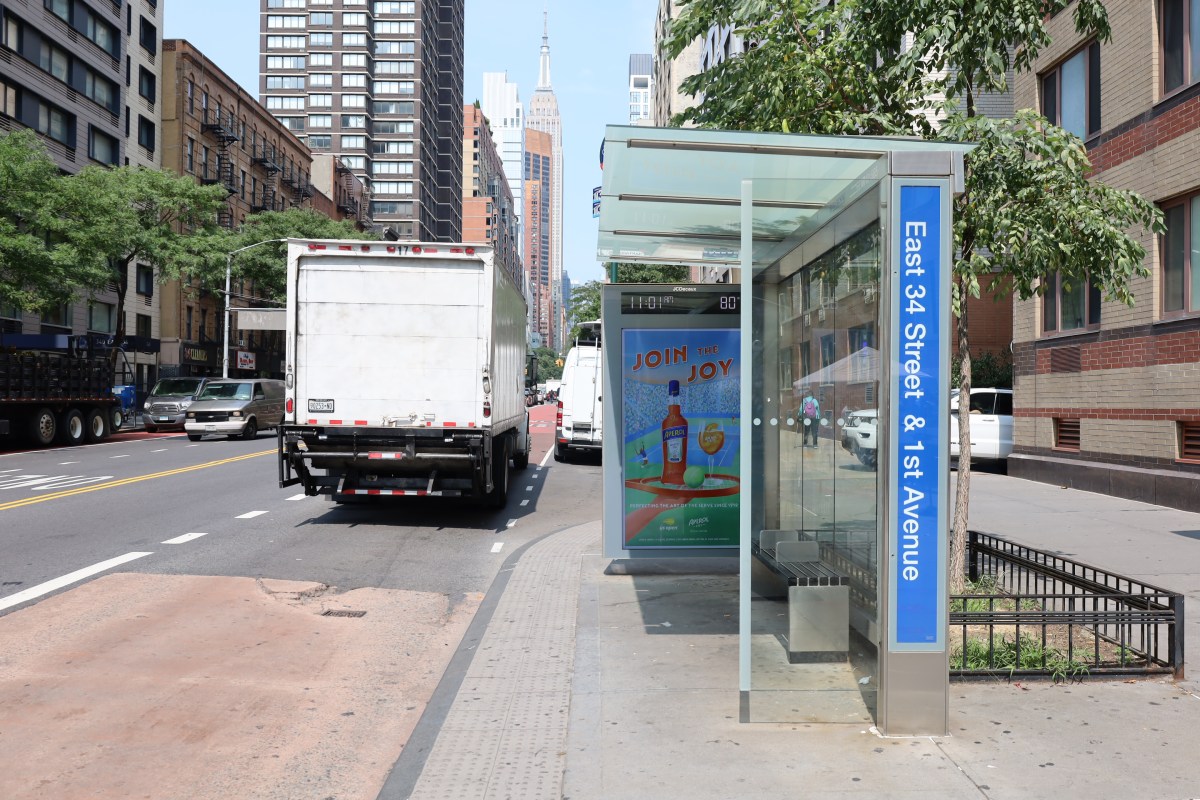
240, 343
820, 315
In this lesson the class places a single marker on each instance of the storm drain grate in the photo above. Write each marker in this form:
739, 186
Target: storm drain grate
343, 612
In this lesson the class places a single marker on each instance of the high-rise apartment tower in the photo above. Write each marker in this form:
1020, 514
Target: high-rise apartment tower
379, 84
544, 117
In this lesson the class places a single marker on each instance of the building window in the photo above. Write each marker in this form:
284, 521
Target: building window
147, 84
103, 91
318, 80
354, 40
354, 60
395, 48
354, 101
148, 36
354, 143
321, 59
204, 161
286, 4
322, 142
354, 121
142, 326
355, 162
1068, 306
191, 155
394, 67
145, 133
395, 8
286, 82
392, 187
285, 62
314, 101
286, 42
390, 126
102, 147
358, 81
292, 123
355, 20
390, 148
1181, 257
145, 280
276, 102
323, 18
320, 39
293, 21
395, 28
102, 317
1179, 33
191, 97
1071, 93
393, 168
320, 121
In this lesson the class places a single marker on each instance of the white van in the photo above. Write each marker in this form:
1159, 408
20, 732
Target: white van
991, 424
579, 424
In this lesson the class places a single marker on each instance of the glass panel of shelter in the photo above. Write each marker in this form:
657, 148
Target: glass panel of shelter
814, 651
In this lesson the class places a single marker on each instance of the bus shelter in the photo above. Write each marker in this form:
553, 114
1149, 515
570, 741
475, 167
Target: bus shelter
842, 248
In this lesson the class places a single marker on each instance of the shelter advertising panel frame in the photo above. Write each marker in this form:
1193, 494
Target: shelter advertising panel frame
706, 317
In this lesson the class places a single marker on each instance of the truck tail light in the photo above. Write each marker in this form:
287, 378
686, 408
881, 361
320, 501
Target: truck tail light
558, 416
487, 409
291, 405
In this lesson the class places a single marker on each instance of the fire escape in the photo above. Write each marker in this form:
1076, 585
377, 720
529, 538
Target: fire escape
347, 203
224, 130
267, 157
301, 186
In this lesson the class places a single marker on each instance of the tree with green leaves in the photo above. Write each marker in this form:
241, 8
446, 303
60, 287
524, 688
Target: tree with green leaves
584, 306
548, 369
115, 218
650, 273
266, 266
35, 272
1028, 211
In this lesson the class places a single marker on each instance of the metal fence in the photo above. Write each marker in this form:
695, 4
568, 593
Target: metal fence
1039, 614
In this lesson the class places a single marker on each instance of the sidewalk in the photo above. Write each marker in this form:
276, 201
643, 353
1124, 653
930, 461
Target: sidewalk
632, 692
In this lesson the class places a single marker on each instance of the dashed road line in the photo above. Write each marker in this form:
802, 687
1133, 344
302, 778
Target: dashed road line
126, 455
525, 502
160, 450
66, 580
250, 515
497, 547
510, 523
300, 496
61, 463
187, 537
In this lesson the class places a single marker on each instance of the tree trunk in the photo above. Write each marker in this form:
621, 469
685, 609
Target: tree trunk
122, 283
958, 534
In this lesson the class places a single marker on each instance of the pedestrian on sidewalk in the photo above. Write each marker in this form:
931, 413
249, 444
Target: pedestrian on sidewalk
810, 417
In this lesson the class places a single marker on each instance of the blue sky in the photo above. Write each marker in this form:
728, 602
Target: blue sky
590, 45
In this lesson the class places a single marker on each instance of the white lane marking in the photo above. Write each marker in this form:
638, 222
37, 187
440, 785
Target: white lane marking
546, 457
497, 547
250, 515
68, 481
67, 580
298, 497
15, 469
529, 488
525, 502
63, 463
187, 537
163, 450
535, 474
510, 523
192, 445
123, 456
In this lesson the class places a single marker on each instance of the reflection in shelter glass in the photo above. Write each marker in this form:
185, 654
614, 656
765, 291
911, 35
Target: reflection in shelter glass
815, 531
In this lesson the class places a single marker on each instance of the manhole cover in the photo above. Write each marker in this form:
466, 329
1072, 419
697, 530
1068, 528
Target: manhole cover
343, 612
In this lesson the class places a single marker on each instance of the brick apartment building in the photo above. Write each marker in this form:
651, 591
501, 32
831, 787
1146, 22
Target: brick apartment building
1108, 397
215, 131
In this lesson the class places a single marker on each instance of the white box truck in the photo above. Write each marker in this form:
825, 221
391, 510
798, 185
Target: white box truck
579, 423
405, 371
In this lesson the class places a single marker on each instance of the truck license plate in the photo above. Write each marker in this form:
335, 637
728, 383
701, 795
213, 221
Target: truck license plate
210, 428
164, 419
320, 406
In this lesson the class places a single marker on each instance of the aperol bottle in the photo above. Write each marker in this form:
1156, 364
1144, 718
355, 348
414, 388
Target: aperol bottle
674, 438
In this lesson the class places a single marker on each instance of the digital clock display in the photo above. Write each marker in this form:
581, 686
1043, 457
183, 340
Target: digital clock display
668, 301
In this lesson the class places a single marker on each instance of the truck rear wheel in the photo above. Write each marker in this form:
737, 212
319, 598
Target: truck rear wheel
97, 425
43, 426
498, 497
560, 452
70, 427
521, 459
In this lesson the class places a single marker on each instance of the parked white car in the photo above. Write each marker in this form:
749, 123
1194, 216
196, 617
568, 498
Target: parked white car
991, 424
860, 436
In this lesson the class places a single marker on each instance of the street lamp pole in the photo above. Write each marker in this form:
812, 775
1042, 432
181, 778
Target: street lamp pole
228, 276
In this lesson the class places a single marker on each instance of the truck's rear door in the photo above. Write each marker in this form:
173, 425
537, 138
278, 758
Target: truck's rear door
386, 341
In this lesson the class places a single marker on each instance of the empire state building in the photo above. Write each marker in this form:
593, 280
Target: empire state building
543, 117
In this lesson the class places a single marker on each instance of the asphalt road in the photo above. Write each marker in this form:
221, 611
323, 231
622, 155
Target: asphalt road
169, 595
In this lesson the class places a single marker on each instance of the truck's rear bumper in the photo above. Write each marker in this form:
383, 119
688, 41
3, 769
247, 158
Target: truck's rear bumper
355, 460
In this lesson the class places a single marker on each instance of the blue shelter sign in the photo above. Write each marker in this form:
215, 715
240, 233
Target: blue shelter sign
919, 417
